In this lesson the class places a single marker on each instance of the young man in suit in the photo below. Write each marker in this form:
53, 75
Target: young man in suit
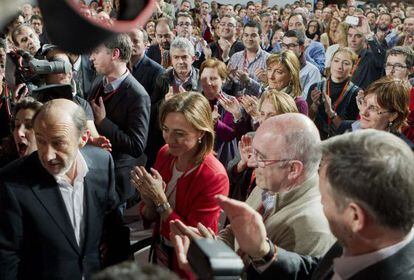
121, 108
54, 201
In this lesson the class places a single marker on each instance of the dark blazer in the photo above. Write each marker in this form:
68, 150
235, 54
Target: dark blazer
126, 126
146, 71
296, 267
37, 240
154, 53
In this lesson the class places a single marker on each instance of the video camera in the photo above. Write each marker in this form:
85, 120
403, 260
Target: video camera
25, 68
212, 259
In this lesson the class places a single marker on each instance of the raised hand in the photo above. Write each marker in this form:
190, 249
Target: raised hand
230, 104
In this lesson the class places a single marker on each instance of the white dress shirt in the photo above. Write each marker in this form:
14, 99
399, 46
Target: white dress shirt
73, 197
347, 266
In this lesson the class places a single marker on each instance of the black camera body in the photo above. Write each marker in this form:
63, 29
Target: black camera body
213, 259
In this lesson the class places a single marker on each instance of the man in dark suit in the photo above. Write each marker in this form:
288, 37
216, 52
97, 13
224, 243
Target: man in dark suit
143, 68
83, 73
160, 52
54, 201
367, 195
121, 108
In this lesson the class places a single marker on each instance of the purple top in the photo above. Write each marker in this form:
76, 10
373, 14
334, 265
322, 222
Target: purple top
302, 105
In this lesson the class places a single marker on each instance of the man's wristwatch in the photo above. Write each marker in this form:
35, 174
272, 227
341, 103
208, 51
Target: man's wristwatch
162, 207
266, 258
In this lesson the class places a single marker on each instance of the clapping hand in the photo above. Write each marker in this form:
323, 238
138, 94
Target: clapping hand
249, 104
150, 186
230, 104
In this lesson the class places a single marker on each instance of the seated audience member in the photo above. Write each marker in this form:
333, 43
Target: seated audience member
283, 71
286, 158
227, 44
341, 42
334, 99
383, 106
213, 73
367, 193
22, 128
309, 74
400, 64
243, 65
271, 103
186, 176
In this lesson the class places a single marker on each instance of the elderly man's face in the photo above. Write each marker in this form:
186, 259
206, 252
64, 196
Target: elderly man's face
58, 142
271, 166
409, 25
28, 40
181, 61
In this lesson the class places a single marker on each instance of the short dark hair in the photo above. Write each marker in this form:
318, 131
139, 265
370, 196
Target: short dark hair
123, 43
305, 22
405, 51
254, 24
34, 17
297, 34
25, 103
376, 170
183, 14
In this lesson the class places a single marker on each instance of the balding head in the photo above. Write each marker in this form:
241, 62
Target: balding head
60, 131
298, 138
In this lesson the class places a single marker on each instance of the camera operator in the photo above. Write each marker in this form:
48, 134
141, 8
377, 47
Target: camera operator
25, 38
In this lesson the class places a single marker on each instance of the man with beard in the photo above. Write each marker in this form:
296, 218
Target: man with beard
160, 52
54, 201
383, 28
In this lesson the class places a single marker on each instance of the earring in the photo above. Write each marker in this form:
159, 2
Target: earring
199, 140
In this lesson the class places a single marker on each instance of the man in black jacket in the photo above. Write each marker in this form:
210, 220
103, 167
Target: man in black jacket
121, 108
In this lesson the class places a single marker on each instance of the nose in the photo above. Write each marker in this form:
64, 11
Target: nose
49, 153
21, 131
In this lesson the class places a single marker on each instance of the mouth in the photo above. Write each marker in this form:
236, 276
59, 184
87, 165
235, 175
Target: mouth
22, 149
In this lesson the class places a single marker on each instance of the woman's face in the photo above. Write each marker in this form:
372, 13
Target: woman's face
23, 133
180, 135
242, 13
334, 25
313, 27
278, 76
211, 83
373, 115
267, 110
341, 66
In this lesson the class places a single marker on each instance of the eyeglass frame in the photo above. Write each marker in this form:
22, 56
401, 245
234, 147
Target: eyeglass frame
360, 103
395, 67
262, 163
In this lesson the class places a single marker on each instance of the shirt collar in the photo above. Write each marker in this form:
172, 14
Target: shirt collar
347, 266
81, 169
77, 65
114, 85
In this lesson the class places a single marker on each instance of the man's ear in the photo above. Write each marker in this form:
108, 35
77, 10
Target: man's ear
116, 53
84, 138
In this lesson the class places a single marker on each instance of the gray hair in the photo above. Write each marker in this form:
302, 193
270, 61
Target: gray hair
182, 44
376, 170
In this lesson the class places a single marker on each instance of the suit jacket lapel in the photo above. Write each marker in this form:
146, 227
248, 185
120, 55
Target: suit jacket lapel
49, 195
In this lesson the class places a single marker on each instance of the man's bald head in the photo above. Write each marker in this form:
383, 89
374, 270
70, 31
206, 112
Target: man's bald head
299, 135
62, 110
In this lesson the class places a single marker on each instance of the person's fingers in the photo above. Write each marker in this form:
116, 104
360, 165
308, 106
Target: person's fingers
204, 231
186, 230
233, 207
156, 174
101, 103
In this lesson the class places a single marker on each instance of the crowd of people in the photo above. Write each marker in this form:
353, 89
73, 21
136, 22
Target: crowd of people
284, 131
